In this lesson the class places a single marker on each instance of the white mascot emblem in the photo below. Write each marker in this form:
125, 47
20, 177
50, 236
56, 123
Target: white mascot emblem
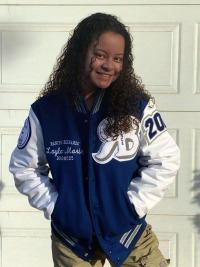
123, 148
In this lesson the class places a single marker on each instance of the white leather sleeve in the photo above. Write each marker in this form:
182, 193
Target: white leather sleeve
160, 160
28, 164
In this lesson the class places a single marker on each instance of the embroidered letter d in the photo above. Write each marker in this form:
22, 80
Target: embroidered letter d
122, 149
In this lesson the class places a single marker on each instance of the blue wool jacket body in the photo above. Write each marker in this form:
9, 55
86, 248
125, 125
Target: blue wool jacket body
92, 197
100, 189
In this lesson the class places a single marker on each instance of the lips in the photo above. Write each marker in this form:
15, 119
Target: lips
104, 74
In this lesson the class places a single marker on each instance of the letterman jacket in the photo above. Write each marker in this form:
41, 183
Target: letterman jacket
99, 186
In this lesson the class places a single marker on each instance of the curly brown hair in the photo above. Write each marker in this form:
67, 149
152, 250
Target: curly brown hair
125, 93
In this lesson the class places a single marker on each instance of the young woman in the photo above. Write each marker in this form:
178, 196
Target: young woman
111, 158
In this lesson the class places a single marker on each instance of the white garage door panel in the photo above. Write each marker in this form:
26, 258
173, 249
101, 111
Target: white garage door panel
184, 247
157, 45
197, 59
73, 13
12, 118
28, 57
24, 100
23, 221
26, 249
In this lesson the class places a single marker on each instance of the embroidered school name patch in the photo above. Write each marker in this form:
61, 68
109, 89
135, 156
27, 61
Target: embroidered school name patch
24, 135
64, 150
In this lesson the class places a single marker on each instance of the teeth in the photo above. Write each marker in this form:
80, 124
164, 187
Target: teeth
105, 75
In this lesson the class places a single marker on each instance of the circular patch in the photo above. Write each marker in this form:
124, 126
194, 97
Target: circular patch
24, 135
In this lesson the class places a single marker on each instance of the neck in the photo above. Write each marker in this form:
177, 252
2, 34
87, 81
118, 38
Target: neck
86, 88
89, 94
89, 97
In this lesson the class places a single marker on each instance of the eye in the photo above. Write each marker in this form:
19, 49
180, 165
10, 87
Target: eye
118, 59
99, 55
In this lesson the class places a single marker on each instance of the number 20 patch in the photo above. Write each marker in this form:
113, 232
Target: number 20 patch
153, 126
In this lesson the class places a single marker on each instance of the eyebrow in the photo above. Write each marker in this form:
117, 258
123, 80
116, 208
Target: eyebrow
99, 49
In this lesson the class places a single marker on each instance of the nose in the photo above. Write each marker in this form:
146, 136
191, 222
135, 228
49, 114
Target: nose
108, 64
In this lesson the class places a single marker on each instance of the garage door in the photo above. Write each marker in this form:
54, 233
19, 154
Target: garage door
167, 57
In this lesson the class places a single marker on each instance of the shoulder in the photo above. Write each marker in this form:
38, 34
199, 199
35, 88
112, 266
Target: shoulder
141, 106
49, 98
47, 105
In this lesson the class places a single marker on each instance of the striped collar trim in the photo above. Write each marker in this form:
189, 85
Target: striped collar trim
81, 107
98, 103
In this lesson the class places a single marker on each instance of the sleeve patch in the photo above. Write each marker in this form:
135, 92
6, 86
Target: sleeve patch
153, 126
24, 135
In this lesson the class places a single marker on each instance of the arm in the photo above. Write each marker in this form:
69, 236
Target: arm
29, 166
160, 160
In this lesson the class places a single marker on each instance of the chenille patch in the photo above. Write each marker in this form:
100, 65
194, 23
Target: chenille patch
24, 135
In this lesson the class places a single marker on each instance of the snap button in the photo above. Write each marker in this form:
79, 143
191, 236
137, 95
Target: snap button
86, 121
86, 254
110, 251
118, 259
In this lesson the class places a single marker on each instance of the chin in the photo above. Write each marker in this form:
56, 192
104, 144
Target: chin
104, 86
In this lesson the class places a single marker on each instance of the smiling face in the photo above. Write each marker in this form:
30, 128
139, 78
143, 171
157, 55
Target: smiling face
104, 61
